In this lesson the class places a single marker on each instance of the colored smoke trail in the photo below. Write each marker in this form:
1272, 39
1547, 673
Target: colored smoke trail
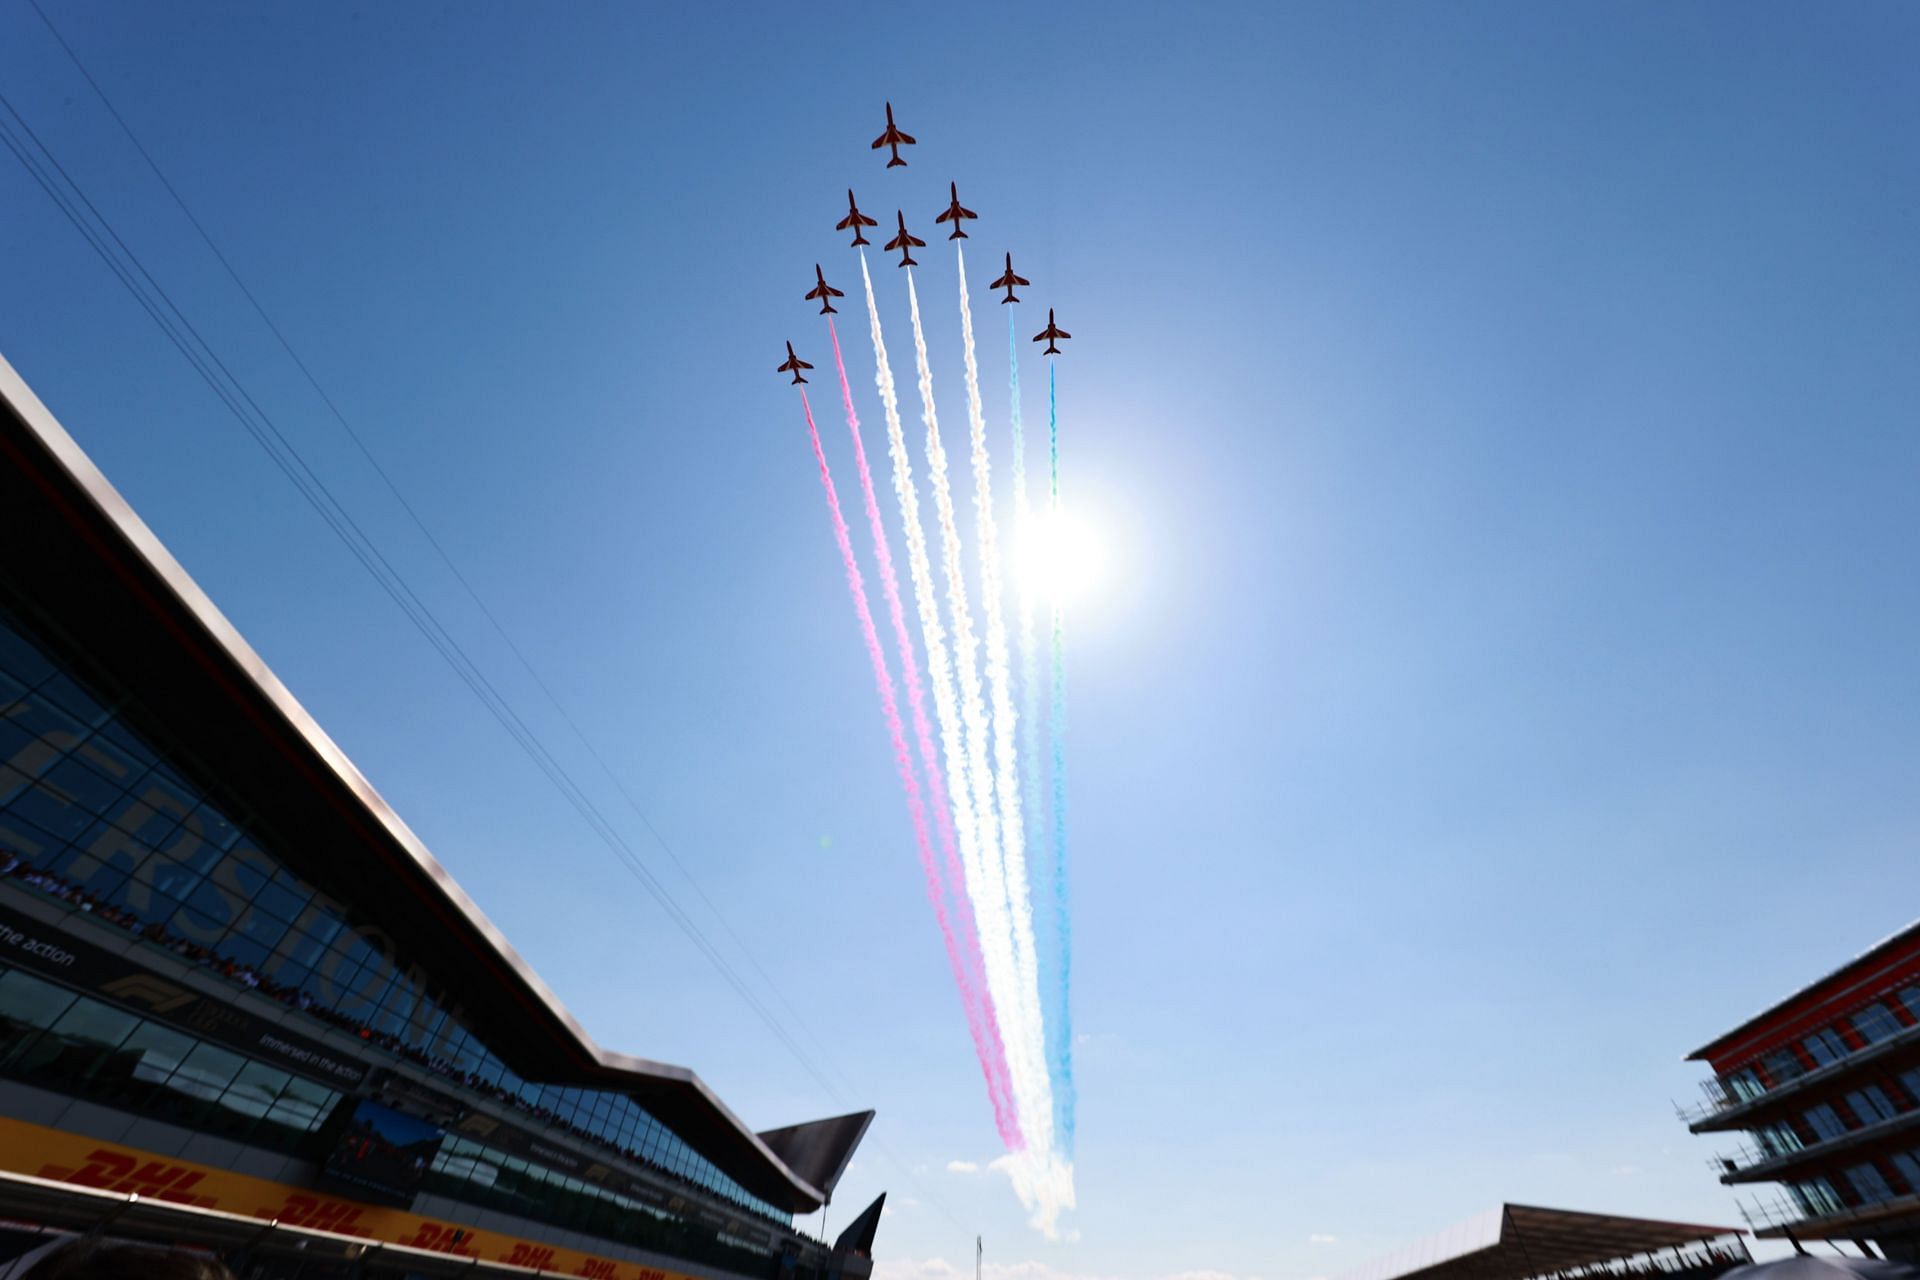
1057, 733
1029, 653
1025, 1051
940, 677
1059, 1013
963, 951
1006, 758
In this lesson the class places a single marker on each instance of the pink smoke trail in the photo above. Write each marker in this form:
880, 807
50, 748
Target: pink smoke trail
963, 949
889, 707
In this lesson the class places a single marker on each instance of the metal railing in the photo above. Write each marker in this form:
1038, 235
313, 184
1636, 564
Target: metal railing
1772, 1211
1721, 1095
1699, 1260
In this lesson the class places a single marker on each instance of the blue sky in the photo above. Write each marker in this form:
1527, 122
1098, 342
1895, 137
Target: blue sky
1498, 419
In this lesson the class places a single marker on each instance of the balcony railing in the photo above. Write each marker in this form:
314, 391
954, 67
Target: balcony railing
1771, 1211
1765, 1212
1722, 1094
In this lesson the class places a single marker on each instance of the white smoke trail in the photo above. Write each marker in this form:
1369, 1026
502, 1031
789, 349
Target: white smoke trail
1006, 757
975, 843
1018, 1007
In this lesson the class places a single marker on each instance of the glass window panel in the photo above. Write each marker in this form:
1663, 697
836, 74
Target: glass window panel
245, 953
112, 762
1909, 1169
1779, 1139
21, 657
242, 870
1825, 1046
302, 1104
161, 1051
220, 831
91, 1022
10, 689
1910, 997
83, 785
1874, 1023
1870, 1104
71, 698
254, 1091
142, 821
126, 741
11, 780
257, 926
280, 901
188, 843
1868, 1182
1825, 1122
82, 1041
52, 810
16, 745
168, 796
216, 909
26, 1001
1818, 1197
100, 876
195, 927
46, 722
206, 1072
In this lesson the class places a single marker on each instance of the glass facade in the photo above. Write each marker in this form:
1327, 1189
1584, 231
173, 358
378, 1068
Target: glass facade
1825, 1046
1778, 1139
1825, 1122
476, 1174
1745, 1084
78, 1045
1817, 1197
1783, 1065
92, 811
1869, 1184
1874, 1023
1870, 1104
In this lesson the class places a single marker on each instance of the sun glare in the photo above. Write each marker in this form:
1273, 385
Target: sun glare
1061, 557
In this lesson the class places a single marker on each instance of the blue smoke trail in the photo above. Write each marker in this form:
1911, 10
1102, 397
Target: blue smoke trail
1031, 761
1029, 651
1067, 1095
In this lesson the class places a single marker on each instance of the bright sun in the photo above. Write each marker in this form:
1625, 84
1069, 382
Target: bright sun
1061, 558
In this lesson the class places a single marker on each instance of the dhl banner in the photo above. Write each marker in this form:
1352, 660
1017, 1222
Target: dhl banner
66, 1157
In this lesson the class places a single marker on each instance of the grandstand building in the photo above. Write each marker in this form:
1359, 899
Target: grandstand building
1825, 1085
244, 1009
1529, 1242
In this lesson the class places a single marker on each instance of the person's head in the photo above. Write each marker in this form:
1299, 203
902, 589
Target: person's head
107, 1260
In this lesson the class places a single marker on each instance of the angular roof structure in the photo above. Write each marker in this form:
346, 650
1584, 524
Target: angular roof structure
1854, 979
1516, 1241
139, 610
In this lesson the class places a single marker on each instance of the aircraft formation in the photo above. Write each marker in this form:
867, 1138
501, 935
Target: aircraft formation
906, 242
979, 743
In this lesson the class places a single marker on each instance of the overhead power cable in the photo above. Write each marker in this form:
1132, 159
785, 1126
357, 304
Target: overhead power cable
159, 305
71, 199
439, 549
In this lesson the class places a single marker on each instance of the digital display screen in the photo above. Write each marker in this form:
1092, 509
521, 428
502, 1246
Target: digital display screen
382, 1154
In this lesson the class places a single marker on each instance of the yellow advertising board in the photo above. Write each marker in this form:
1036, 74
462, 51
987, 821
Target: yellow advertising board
86, 1162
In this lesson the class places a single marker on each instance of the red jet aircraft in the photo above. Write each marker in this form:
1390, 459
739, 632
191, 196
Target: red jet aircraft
823, 291
955, 214
906, 244
856, 220
1050, 333
894, 139
793, 366
1009, 280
